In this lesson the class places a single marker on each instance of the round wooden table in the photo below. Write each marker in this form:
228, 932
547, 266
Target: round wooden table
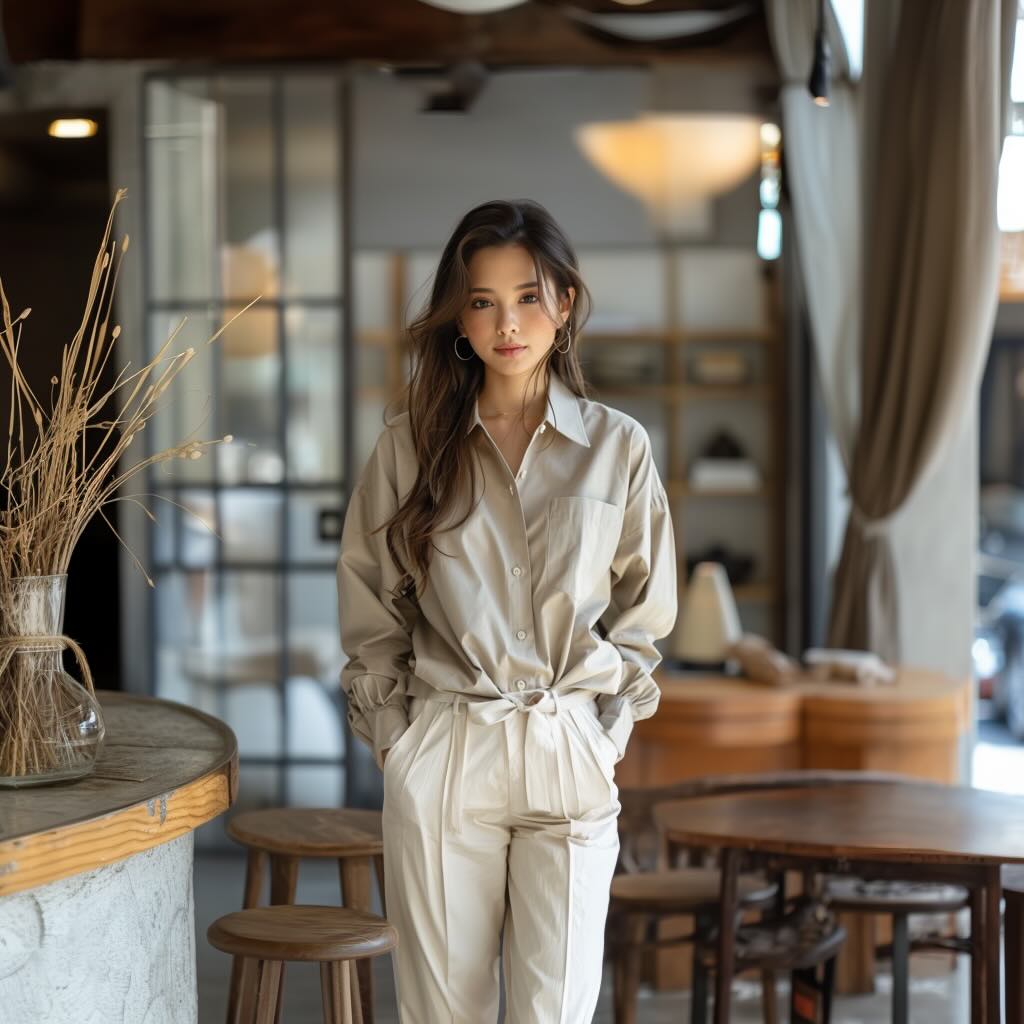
96, 874
714, 725
915, 831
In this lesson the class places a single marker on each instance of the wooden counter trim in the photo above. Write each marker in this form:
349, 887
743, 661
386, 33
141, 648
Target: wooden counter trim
723, 713
153, 815
923, 707
896, 718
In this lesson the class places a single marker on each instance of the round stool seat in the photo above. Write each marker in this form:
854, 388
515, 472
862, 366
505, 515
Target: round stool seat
310, 831
882, 896
302, 932
684, 889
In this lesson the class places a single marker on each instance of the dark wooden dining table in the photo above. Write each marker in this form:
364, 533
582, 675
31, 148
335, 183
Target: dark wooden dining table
918, 831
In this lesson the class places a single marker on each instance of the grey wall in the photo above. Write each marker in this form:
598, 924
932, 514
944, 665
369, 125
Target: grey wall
416, 174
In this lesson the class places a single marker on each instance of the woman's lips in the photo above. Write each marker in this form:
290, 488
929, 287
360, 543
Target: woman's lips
511, 351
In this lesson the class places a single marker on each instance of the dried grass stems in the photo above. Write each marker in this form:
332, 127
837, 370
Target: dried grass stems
53, 488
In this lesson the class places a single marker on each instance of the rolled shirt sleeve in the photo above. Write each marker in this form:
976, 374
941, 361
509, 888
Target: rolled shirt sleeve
644, 596
376, 629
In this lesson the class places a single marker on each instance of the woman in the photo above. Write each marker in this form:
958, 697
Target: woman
497, 681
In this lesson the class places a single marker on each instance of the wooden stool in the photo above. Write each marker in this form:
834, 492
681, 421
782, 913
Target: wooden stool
1013, 948
267, 937
900, 900
642, 899
286, 834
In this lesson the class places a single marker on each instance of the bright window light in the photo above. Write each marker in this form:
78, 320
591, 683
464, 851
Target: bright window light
769, 234
850, 15
1017, 70
1010, 197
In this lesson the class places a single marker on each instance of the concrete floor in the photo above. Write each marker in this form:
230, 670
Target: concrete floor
939, 994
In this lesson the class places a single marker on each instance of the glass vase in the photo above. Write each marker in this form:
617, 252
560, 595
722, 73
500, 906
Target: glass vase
51, 725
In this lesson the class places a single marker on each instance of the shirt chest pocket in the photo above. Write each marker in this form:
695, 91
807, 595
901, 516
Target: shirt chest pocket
582, 537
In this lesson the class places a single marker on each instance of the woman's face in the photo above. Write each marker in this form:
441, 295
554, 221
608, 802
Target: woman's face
504, 309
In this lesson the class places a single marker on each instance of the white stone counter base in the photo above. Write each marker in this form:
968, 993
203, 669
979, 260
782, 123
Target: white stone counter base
112, 945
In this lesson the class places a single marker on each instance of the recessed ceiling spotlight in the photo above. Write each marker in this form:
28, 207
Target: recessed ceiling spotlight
73, 128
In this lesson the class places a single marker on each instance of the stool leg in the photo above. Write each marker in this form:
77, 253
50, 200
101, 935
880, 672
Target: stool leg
769, 1000
378, 863
627, 956
699, 984
245, 1008
828, 988
255, 866
1013, 956
337, 992
284, 877
900, 968
269, 985
355, 894
330, 1004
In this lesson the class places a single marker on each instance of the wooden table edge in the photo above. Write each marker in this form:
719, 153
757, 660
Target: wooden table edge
789, 848
157, 817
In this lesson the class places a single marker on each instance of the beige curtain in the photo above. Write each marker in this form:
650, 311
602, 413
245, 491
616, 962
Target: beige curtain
933, 134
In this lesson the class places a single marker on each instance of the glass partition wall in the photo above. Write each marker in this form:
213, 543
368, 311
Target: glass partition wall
245, 196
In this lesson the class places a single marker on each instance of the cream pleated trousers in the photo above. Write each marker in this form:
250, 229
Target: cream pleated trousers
500, 813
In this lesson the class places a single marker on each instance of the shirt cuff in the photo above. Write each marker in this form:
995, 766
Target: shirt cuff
387, 723
617, 719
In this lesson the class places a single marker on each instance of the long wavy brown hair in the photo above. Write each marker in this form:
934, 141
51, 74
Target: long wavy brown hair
442, 389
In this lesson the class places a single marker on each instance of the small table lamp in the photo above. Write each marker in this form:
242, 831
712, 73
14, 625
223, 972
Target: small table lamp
708, 621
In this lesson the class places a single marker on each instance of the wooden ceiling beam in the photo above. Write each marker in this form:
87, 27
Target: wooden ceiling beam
388, 31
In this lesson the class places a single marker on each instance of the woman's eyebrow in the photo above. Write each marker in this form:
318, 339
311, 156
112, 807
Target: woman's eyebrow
529, 284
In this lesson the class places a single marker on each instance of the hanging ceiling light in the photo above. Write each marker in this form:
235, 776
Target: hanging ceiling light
473, 6
822, 66
674, 161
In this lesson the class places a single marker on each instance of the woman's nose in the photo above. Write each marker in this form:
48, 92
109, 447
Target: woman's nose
507, 321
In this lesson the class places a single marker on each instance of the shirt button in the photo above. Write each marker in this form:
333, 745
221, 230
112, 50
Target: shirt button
543, 427
520, 684
521, 635
511, 489
516, 571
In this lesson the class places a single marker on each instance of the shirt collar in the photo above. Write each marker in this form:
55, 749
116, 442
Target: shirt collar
563, 411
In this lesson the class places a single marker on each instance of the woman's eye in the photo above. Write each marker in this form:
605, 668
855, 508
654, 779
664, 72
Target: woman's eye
473, 304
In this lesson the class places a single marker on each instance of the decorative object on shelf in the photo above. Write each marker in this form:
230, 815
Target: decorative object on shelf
738, 568
708, 623
760, 662
62, 469
624, 365
721, 368
860, 667
723, 465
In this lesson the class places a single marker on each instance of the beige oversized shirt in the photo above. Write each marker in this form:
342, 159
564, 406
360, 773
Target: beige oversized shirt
563, 576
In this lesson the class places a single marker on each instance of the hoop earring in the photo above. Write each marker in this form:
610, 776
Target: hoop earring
568, 341
465, 359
